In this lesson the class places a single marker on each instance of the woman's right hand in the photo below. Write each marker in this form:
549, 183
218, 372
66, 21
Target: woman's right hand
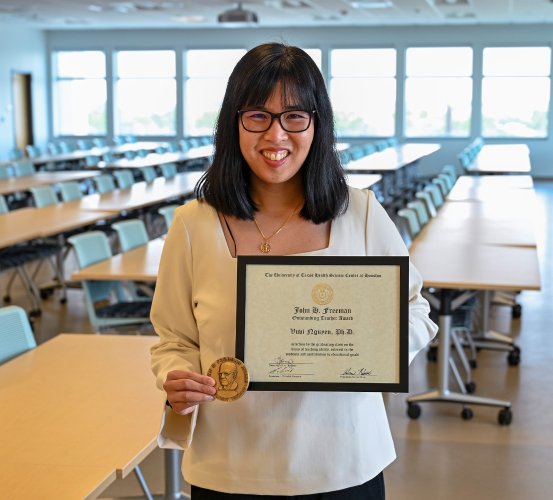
185, 390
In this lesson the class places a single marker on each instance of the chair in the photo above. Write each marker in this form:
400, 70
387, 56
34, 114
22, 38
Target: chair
428, 202
70, 191
22, 168
436, 194
32, 151
15, 154
172, 147
3, 205
124, 178
167, 213
419, 207
411, 221
84, 144
5, 171
392, 142
104, 183
345, 156
381, 145
356, 152
92, 160
53, 148
369, 149
44, 196
168, 170
442, 185
149, 173
16, 335
92, 247
99, 142
132, 233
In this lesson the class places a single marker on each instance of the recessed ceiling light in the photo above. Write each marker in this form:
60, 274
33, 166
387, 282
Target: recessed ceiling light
372, 4
190, 19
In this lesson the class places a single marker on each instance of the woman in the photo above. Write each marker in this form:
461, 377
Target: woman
275, 186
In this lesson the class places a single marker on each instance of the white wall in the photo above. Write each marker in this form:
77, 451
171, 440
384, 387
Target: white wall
23, 51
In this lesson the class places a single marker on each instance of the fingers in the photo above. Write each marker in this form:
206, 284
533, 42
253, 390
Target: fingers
185, 390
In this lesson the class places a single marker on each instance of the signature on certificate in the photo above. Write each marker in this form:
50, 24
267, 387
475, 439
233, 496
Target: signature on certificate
282, 365
359, 372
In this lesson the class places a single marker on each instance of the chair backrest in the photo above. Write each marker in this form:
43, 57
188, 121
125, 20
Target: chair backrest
419, 207
5, 171
70, 191
142, 153
167, 213
447, 179
104, 183
65, 147
392, 142
369, 149
132, 233
16, 335
15, 154
149, 173
428, 202
108, 157
92, 160
356, 152
84, 144
345, 156
124, 178
99, 142
44, 196
411, 220
381, 145
22, 168
442, 185
32, 151
3, 205
173, 147
54, 148
451, 171
436, 194
168, 170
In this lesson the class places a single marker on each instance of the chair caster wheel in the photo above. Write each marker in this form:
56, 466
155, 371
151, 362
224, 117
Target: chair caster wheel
413, 410
516, 311
513, 358
505, 416
470, 387
473, 363
432, 354
7, 299
63, 300
467, 414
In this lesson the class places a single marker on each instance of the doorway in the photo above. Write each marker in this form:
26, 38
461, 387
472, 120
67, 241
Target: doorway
22, 110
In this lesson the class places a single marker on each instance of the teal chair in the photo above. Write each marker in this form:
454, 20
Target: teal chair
99, 142
5, 171
451, 172
84, 144
168, 170
70, 191
149, 173
121, 309
436, 195
44, 196
442, 184
369, 149
16, 335
132, 233
124, 178
381, 145
15, 154
3, 205
411, 223
22, 168
167, 213
419, 207
32, 151
428, 202
104, 183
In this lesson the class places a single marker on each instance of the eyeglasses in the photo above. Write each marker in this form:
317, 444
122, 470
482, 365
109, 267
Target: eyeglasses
256, 120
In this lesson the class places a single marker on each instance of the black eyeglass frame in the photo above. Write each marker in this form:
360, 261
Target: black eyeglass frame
273, 117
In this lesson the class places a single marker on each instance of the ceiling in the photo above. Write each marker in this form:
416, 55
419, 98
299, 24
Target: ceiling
109, 14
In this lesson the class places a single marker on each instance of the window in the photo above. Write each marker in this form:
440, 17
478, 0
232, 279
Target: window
79, 92
145, 92
207, 75
515, 91
363, 91
438, 92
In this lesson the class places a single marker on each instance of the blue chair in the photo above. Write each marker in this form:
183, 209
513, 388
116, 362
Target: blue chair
84, 144
3, 205
392, 142
345, 156
22, 168
168, 170
450, 171
172, 147
99, 142
381, 145
167, 213
369, 149
66, 147
92, 247
44, 196
53, 148
419, 207
104, 183
70, 191
184, 145
132, 233
15, 154
124, 178
5, 171
32, 151
411, 221
149, 173
16, 335
441, 182
428, 203
436, 194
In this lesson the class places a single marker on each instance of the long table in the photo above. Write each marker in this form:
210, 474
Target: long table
26, 182
468, 258
76, 413
501, 159
155, 159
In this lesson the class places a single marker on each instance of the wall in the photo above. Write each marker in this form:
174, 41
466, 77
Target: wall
326, 38
22, 50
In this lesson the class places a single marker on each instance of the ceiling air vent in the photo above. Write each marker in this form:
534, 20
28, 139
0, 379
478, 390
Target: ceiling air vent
238, 16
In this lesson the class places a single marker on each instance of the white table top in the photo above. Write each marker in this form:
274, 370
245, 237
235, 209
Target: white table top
502, 158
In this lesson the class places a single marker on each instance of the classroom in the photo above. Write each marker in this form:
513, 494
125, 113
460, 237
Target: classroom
112, 113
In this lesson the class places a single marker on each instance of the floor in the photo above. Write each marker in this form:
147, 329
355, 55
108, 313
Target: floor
440, 455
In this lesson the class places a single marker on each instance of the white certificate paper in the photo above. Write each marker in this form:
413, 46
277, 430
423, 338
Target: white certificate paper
323, 323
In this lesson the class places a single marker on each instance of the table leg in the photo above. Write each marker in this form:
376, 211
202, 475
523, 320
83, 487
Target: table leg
443, 393
173, 483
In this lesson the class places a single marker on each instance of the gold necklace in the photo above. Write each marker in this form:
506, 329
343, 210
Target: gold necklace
265, 247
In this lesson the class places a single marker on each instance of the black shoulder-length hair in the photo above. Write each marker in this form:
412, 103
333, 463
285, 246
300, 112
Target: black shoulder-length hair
225, 185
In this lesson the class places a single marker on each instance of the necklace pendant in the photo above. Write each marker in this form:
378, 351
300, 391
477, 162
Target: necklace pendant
265, 247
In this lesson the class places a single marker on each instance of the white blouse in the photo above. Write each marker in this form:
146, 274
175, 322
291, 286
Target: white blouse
267, 443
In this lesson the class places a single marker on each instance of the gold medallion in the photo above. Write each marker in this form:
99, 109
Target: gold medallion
231, 378
265, 247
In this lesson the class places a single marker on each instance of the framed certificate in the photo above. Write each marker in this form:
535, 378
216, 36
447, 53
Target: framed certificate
323, 323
